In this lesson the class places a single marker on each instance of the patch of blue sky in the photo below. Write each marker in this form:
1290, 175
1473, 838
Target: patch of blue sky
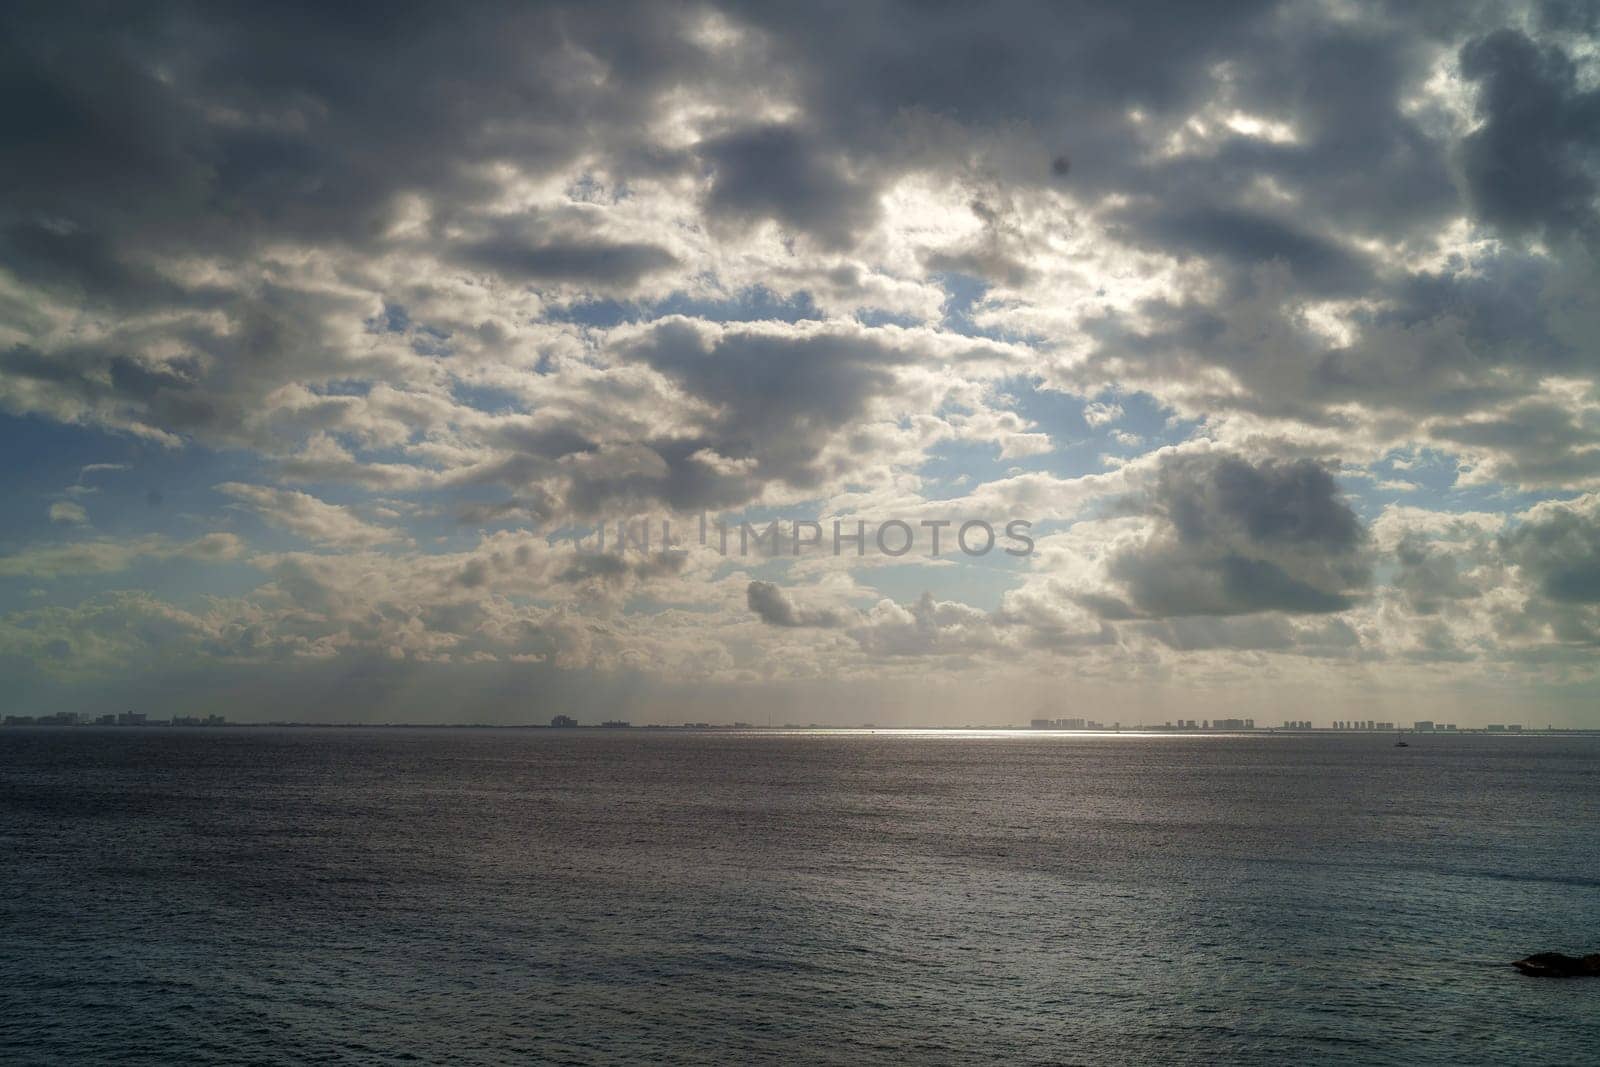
955, 468
1065, 417
963, 294
141, 487
1504, 498
394, 318
876, 317
964, 303
1431, 480
426, 340
761, 514
489, 399
978, 581
1078, 447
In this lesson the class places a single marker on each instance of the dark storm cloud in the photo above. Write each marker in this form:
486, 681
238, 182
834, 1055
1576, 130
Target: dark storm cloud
1533, 164
616, 569
1557, 551
544, 440
1070, 76
1369, 164
1570, 16
1430, 580
1469, 337
772, 403
1536, 443
866, 65
527, 257
204, 211
1236, 537
773, 607
1264, 632
1175, 581
87, 267
216, 127
214, 389
765, 409
1359, 161
678, 476
784, 173
1500, 307
777, 390
139, 139
118, 389
1246, 238
1560, 552
1214, 498
188, 130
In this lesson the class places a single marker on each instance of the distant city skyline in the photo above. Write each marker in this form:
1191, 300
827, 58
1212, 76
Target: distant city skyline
568, 722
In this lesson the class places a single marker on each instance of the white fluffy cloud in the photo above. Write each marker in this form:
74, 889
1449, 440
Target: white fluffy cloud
69, 512
305, 516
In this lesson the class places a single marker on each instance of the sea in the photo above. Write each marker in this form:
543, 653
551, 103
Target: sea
489, 896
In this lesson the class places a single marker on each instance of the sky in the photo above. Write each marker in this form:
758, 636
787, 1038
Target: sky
331, 336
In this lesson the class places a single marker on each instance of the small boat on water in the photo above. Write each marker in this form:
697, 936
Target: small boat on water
1400, 741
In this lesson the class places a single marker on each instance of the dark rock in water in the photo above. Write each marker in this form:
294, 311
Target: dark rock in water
1560, 965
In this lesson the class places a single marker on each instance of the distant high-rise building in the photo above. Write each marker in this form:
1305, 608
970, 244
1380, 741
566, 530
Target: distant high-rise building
563, 722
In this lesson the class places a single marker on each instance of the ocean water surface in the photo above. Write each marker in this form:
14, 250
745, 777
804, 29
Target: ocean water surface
488, 896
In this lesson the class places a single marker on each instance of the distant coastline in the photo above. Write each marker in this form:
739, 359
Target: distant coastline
132, 721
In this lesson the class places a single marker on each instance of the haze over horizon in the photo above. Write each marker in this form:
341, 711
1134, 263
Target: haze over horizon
323, 333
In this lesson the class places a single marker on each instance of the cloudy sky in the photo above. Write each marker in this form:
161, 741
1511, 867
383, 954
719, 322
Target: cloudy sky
324, 333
